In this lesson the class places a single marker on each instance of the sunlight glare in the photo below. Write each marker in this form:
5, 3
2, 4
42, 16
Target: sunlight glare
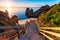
7, 5
9, 11
8, 8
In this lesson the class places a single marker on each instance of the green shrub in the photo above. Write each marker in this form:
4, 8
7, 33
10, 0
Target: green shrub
52, 16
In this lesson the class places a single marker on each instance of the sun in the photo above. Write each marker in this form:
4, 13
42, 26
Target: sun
8, 7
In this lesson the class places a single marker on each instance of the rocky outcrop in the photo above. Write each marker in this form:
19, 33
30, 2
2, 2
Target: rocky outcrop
29, 12
4, 19
14, 19
42, 10
7, 34
10, 22
35, 14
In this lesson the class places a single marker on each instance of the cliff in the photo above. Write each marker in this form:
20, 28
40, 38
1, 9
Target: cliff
50, 18
4, 19
29, 12
36, 14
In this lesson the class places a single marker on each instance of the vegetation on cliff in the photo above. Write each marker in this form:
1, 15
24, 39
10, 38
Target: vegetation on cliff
51, 18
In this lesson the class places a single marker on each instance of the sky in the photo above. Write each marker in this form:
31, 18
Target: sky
29, 3
9, 4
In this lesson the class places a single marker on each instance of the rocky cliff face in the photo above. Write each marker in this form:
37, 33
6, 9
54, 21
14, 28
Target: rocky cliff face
29, 12
43, 9
14, 19
4, 19
50, 18
7, 22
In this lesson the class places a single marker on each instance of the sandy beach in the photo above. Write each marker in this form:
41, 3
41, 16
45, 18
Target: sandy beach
21, 22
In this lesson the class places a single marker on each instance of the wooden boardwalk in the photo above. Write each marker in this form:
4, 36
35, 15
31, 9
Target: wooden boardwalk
33, 32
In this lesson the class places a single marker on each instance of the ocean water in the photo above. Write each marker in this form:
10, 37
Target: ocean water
20, 12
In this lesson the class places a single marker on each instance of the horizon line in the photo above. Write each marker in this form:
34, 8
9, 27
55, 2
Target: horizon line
19, 7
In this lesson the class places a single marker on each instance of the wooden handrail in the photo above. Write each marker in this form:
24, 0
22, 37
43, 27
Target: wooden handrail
4, 27
50, 28
46, 36
51, 33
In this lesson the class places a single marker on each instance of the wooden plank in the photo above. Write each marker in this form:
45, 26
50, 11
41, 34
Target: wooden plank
50, 28
51, 33
46, 36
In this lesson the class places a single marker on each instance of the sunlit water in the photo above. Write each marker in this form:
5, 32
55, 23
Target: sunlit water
20, 12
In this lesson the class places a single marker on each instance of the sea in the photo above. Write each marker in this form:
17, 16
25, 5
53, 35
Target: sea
20, 12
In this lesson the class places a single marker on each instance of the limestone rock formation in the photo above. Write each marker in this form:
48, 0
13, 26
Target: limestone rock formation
6, 12
15, 19
35, 14
4, 19
42, 10
29, 12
